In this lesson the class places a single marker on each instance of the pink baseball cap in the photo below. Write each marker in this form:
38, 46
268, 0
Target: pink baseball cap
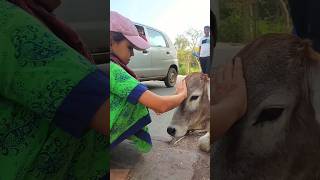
121, 24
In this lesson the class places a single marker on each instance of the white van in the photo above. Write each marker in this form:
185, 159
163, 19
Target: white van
159, 62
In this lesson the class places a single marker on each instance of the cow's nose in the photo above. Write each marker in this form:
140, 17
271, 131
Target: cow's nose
171, 131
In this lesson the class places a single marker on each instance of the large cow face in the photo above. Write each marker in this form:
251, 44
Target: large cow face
279, 137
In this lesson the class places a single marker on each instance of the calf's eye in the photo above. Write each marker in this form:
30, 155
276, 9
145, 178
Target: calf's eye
269, 114
193, 98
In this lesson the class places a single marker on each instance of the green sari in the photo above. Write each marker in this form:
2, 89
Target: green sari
45, 104
128, 118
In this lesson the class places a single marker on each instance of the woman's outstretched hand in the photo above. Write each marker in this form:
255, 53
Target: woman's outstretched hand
229, 87
181, 88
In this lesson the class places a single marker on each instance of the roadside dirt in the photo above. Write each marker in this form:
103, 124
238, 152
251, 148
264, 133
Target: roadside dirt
202, 165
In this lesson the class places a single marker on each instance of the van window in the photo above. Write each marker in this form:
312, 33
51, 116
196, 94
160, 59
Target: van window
156, 39
141, 32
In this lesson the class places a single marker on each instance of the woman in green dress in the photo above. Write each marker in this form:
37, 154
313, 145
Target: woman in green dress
53, 114
129, 99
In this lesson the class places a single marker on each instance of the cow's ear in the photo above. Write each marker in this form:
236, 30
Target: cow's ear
314, 81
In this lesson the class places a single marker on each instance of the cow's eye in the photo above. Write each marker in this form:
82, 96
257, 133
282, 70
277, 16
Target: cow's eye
269, 114
193, 98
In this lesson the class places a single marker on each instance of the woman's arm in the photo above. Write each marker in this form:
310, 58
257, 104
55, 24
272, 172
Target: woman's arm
161, 104
101, 119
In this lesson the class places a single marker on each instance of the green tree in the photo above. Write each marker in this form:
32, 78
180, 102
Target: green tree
181, 42
193, 35
244, 20
186, 43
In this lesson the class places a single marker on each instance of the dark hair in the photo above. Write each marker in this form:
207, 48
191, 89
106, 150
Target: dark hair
117, 36
206, 27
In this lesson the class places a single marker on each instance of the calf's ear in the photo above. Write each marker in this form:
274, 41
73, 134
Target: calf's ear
314, 80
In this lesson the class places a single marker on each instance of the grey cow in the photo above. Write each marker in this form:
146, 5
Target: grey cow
279, 137
194, 111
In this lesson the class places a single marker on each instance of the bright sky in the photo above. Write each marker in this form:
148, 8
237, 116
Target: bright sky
170, 16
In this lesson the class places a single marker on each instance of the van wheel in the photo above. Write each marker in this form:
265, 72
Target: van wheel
171, 78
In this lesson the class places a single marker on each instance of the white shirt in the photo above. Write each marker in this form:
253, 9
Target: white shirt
204, 43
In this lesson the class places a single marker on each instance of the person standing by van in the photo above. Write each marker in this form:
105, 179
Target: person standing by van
204, 51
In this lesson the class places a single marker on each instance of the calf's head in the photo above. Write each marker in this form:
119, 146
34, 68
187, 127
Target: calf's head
194, 111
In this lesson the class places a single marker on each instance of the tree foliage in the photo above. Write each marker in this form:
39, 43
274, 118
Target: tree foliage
185, 44
181, 42
244, 20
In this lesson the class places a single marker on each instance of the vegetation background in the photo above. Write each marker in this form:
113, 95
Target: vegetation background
239, 21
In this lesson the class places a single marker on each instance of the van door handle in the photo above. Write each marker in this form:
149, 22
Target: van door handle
168, 52
145, 51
